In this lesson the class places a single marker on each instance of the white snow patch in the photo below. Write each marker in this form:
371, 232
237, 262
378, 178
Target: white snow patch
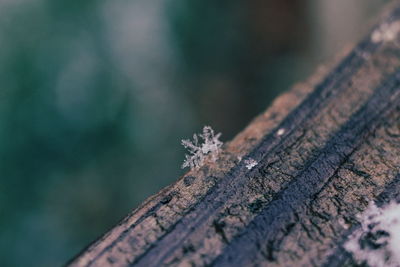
377, 243
387, 32
198, 151
250, 163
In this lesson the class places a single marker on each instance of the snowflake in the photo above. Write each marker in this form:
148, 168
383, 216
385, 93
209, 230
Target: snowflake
198, 152
250, 163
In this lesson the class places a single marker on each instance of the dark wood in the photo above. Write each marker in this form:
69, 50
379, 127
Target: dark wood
324, 150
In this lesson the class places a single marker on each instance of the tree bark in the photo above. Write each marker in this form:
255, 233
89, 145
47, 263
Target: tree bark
324, 150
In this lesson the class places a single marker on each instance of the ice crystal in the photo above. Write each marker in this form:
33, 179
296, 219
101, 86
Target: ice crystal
250, 163
210, 145
281, 131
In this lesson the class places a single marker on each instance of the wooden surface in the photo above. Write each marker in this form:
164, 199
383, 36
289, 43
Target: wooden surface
324, 150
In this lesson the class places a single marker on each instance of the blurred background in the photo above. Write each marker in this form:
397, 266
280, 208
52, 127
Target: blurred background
96, 95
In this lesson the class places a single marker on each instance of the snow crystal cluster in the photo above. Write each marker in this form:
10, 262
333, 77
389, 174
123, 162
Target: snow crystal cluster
377, 243
198, 151
250, 163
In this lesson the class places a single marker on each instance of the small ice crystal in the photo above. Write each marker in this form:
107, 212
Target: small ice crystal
280, 132
250, 163
198, 151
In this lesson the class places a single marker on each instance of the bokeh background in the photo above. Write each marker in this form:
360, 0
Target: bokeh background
95, 96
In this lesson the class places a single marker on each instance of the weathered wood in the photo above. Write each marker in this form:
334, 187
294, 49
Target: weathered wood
324, 149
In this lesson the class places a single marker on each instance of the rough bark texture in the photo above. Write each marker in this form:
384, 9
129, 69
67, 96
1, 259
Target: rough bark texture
324, 150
